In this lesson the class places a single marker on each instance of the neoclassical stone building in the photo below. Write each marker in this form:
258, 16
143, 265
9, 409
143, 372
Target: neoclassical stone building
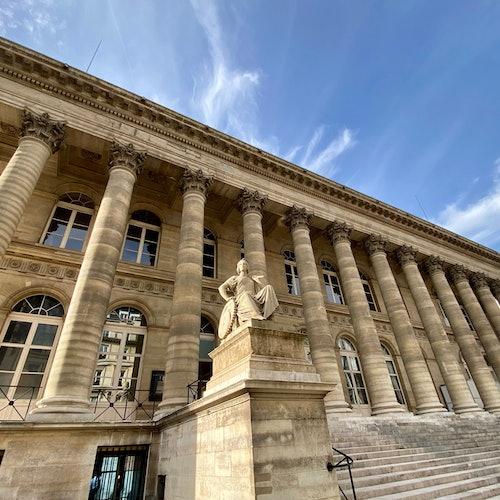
119, 219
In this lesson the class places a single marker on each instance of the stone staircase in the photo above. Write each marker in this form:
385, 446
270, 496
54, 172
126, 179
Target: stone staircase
424, 457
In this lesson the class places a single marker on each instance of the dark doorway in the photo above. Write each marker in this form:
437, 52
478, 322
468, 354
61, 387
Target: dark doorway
119, 473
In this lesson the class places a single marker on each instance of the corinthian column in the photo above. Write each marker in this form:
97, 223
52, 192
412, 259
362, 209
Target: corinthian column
450, 368
471, 352
382, 395
184, 338
317, 325
251, 204
476, 314
480, 285
495, 289
422, 386
40, 138
67, 392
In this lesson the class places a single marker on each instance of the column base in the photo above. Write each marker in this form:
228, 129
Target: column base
385, 408
335, 406
467, 409
495, 410
169, 406
61, 409
425, 409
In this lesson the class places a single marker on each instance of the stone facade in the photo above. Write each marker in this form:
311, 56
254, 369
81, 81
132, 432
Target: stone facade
110, 202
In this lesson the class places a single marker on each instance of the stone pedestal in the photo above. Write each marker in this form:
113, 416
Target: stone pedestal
260, 431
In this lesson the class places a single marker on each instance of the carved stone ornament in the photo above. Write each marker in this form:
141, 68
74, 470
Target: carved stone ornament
338, 232
297, 217
43, 128
375, 243
458, 273
406, 255
433, 265
478, 281
251, 201
195, 180
495, 287
126, 155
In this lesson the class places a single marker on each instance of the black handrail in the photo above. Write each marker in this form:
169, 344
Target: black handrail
345, 461
196, 389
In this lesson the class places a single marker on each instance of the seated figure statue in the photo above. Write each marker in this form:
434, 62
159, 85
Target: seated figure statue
247, 297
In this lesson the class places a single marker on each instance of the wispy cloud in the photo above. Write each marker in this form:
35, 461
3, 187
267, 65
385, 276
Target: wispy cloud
480, 220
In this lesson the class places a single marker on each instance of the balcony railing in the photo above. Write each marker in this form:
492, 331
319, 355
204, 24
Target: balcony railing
196, 389
16, 401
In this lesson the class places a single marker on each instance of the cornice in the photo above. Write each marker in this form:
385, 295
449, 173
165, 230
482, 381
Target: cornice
48, 75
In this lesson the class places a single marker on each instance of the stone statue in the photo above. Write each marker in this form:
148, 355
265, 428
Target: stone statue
247, 297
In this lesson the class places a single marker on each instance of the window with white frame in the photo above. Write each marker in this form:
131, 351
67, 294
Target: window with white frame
207, 345
352, 372
27, 347
444, 318
291, 274
69, 223
393, 374
143, 235
467, 318
370, 297
120, 353
332, 283
209, 253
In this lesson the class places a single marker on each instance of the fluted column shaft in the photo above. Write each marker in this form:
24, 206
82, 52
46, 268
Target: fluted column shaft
449, 366
382, 395
183, 345
422, 386
479, 370
40, 138
251, 204
317, 325
476, 314
491, 308
68, 387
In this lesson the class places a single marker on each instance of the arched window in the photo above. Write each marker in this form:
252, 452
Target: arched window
291, 274
393, 374
207, 345
209, 253
120, 353
368, 292
352, 371
143, 234
69, 222
332, 284
28, 337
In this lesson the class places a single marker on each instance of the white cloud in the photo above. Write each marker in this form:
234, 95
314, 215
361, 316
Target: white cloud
479, 221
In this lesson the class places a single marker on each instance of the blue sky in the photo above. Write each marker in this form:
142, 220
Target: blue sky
397, 99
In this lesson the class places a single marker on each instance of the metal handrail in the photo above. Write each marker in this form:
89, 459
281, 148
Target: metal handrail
345, 462
196, 389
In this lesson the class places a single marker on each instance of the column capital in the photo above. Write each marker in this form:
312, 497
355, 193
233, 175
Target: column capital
433, 264
41, 127
375, 244
195, 180
458, 273
495, 287
406, 255
478, 281
339, 231
125, 155
297, 217
251, 201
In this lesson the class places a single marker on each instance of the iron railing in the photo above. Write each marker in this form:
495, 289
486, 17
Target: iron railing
196, 389
16, 406
125, 405
345, 462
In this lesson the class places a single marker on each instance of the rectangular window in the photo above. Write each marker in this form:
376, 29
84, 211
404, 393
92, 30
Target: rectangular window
156, 385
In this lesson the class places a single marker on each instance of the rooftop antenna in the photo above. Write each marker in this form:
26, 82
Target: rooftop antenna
95, 52
421, 207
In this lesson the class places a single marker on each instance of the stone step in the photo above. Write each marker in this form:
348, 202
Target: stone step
408, 488
387, 468
455, 489
491, 491
421, 473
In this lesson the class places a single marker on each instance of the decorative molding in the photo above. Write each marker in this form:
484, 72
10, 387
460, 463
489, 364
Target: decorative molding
41, 127
195, 180
458, 273
296, 217
90, 155
56, 78
433, 264
375, 244
478, 281
125, 155
339, 232
251, 201
406, 255
10, 130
